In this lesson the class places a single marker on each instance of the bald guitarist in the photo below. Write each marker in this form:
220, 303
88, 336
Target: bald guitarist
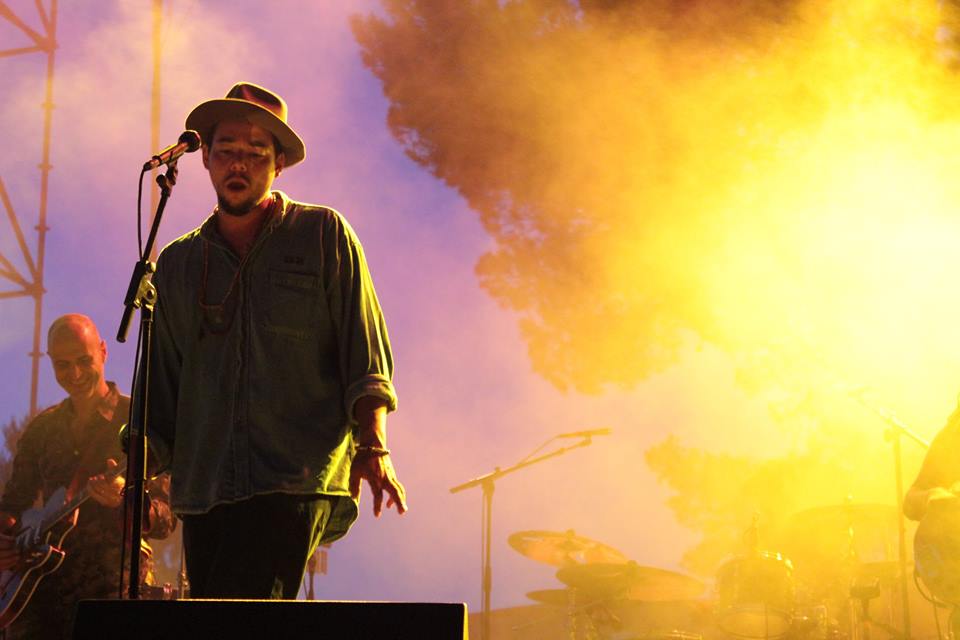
71, 451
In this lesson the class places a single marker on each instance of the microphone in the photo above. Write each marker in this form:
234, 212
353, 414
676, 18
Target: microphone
585, 434
188, 142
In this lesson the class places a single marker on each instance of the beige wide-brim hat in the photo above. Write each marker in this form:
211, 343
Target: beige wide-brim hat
256, 105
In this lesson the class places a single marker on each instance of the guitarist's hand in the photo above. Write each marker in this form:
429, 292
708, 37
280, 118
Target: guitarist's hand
107, 488
9, 554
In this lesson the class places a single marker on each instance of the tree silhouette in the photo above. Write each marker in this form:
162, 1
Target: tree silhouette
11, 436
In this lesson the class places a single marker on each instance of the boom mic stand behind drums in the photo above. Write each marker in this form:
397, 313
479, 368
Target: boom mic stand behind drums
487, 483
897, 430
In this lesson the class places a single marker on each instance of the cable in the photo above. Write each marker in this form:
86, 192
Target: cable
537, 450
140, 216
934, 602
936, 620
123, 548
929, 597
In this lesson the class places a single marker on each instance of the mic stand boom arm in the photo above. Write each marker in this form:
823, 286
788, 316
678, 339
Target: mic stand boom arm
486, 483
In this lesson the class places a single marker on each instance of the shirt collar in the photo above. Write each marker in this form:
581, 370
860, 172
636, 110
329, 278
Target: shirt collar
107, 405
278, 211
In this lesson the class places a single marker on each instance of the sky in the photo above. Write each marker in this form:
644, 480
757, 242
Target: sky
470, 400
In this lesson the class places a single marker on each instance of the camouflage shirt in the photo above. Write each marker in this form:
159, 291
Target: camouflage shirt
49, 456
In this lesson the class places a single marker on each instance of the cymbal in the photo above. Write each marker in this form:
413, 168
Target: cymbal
864, 533
632, 581
562, 549
571, 597
847, 515
558, 597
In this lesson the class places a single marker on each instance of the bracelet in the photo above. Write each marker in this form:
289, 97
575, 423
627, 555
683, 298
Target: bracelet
371, 450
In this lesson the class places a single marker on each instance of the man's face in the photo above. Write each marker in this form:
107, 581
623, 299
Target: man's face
77, 354
242, 165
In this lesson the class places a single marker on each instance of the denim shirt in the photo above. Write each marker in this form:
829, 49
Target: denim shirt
257, 363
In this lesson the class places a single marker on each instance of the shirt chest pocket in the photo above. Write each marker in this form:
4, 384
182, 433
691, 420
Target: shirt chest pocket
294, 302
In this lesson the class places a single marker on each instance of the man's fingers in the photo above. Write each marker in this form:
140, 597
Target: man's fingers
398, 495
377, 499
379, 474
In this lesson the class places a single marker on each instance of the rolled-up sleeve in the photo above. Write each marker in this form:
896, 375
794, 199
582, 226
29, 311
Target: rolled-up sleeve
160, 521
366, 361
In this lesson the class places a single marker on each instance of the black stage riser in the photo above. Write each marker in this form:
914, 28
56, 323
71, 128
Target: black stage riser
269, 619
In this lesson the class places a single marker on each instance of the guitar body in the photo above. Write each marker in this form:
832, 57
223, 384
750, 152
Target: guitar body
43, 556
936, 550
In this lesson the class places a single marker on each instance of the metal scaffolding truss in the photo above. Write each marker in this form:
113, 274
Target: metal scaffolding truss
28, 282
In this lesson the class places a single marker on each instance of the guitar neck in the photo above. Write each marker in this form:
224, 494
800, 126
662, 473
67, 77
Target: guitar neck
71, 505
64, 511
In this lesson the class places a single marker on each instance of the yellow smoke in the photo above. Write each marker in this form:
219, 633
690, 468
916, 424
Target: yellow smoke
776, 179
753, 178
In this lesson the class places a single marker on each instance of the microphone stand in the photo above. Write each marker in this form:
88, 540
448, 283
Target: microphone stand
141, 294
894, 435
486, 483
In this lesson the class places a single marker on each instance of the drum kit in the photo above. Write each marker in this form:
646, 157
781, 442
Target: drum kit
833, 561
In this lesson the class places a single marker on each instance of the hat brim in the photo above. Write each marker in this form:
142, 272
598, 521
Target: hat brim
207, 114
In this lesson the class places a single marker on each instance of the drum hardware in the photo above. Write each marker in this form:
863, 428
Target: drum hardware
183, 582
810, 622
587, 616
601, 585
836, 546
864, 589
316, 563
602, 616
817, 624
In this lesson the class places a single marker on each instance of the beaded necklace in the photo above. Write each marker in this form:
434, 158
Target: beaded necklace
218, 311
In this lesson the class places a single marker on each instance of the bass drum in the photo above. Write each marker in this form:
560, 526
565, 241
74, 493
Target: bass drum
755, 596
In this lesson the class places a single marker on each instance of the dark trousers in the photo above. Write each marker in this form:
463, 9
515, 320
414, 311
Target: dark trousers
256, 548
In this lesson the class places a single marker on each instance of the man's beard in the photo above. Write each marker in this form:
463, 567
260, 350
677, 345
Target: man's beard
240, 210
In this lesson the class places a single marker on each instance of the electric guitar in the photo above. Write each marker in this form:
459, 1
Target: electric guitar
39, 537
936, 550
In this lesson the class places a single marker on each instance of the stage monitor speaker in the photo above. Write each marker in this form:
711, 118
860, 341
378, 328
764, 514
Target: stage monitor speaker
269, 619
